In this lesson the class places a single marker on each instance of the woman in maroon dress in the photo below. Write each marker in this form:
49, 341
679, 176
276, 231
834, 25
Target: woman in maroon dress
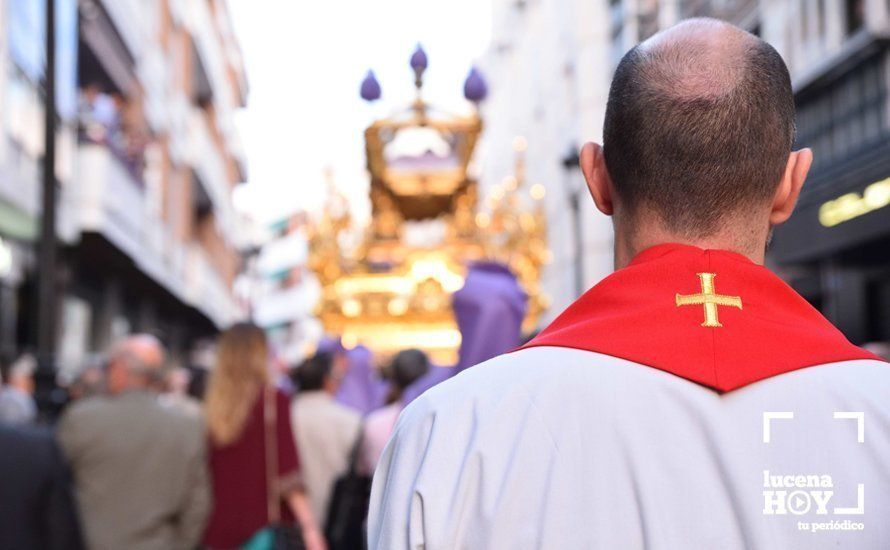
238, 420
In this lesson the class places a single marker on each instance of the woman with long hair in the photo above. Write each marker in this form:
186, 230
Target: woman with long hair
253, 460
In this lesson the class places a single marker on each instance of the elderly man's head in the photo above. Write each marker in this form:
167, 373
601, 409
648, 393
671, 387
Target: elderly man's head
136, 362
697, 139
21, 373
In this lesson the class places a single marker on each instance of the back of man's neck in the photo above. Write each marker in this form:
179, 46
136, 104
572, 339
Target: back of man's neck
626, 250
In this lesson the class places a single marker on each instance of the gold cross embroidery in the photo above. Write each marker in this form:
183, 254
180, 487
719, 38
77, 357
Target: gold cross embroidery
710, 299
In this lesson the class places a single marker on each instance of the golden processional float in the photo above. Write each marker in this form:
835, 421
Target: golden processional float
393, 290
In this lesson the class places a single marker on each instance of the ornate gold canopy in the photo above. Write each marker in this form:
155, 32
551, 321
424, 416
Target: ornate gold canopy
393, 290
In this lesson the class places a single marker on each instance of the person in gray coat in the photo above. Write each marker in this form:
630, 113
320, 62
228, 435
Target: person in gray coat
139, 467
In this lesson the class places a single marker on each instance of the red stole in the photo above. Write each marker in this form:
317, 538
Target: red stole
710, 316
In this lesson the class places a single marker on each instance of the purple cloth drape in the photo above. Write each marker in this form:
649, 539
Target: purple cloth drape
329, 344
360, 388
489, 310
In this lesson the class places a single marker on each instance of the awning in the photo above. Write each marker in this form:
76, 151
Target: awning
16, 223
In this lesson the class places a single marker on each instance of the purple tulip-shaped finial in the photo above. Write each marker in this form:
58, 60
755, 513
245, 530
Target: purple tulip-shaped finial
370, 90
475, 88
418, 59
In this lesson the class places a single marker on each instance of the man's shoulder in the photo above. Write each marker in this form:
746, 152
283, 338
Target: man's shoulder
561, 375
850, 379
345, 414
516, 379
327, 410
29, 451
111, 411
538, 370
25, 437
383, 416
329, 407
187, 418
87, 409
529, 365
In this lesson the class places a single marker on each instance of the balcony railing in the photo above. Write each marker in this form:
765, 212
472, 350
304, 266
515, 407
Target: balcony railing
292, 304
206, 289
206, 158
108, 200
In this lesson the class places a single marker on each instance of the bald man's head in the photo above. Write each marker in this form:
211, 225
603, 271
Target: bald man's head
699, 125
147, 348
135, 362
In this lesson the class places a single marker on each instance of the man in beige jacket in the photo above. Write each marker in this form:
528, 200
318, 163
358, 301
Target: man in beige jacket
139, 467
326, 431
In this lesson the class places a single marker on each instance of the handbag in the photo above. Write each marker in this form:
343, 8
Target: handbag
348, 508
277, 535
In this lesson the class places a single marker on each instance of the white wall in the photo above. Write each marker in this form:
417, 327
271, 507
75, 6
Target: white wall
548, 73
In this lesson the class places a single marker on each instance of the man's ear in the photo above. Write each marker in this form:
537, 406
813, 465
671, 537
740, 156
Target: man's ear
593, 166
785, 199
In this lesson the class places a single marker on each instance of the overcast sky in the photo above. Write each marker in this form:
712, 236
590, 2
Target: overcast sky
305, 62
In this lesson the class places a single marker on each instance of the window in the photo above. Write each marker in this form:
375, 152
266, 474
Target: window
202, 206
820, 19
26, 40
845, 117
648, 18
202, 92
855, 15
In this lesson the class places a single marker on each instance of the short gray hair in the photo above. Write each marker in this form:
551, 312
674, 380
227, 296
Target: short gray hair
24, 366
131, 353
699, 125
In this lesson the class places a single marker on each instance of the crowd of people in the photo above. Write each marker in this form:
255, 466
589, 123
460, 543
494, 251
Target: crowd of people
639, 418
102, 120
236, 454
151, 456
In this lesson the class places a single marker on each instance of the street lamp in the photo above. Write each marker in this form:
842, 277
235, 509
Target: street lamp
574, 191
46, 249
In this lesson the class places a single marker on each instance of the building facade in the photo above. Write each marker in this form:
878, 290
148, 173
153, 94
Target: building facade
549, 80
21, 146
283, 291
549, 72
148, 156
836, 248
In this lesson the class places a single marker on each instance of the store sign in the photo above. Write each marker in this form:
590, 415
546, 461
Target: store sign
852, 205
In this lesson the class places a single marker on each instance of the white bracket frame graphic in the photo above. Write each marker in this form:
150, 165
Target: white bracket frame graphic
769, 417
859, 417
